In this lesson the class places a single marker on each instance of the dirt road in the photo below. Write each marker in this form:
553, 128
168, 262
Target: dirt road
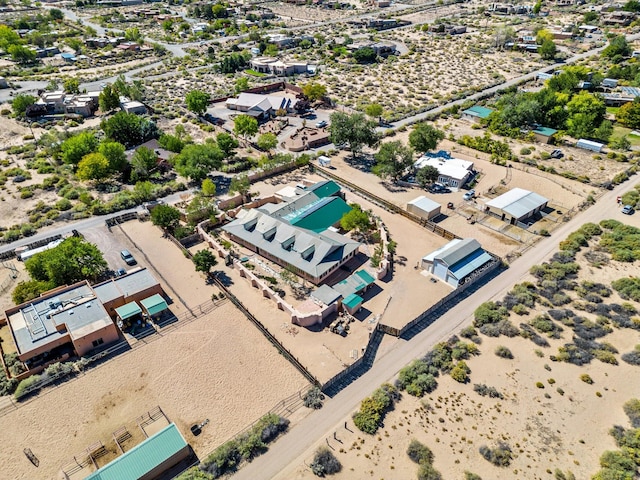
297, 445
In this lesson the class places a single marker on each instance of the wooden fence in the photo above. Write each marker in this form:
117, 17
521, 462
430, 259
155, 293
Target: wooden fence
125, 217
274, 341
30, 246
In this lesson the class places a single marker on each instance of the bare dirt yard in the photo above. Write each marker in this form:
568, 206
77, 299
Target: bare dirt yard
194, 372
552, 414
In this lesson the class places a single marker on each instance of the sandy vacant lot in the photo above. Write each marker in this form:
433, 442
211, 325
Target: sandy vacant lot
195, 372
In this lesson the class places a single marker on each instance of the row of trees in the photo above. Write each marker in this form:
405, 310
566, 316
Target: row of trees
558, 105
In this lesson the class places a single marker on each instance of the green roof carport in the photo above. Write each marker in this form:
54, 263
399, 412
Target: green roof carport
353, 301
366, 277
154, 304
128, 310
324, 189
145, 456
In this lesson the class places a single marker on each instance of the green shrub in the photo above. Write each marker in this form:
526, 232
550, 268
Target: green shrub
373, 408
500, 456
313, 398
474, 476
25, 384
632, 409
489, 312
586, 378
503, 352
460, 373
486, 391
325, 463
419, 453
427, 472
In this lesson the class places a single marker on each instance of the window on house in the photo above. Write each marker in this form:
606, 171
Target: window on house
97, 342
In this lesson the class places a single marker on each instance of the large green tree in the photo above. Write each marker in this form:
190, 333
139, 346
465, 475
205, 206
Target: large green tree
129, 129
227, 144
586, 113
165, 216
75, 148
143, 162
548, 50
267, 142
196, 161
424, 137
355, 130
427, 175
21, 54
618, 48
197, 101
21, 102
356, 219
393, 159
204, 261
629, 114
245, 126
314, 91
114, 153
72, 261
93, 166
109, 99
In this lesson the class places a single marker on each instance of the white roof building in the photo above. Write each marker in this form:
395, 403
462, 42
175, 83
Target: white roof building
453, 172
516, 205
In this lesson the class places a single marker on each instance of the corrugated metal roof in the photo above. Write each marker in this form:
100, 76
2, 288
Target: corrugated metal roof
154, 304
325, 188
518, 202
319, 215
326, 294
478, 111
144, 457
470, 264
458, 251
352, 301
128, 310
545, 131
366, 277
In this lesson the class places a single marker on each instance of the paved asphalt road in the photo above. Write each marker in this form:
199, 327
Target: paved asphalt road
298, 444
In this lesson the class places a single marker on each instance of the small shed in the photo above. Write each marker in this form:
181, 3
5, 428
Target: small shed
590, 145
325, 294
352, 303
544, 134
516, 205
424, 207
476, 113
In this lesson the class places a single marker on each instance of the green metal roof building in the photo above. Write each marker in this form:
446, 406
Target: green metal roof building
327, 188
477, 112
319, 215
147, 460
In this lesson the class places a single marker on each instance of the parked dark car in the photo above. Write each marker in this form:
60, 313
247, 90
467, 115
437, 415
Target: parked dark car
127, 257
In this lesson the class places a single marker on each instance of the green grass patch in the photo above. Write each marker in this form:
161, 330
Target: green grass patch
254, 73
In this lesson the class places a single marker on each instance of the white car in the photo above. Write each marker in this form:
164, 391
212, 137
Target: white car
469, 195
322, 124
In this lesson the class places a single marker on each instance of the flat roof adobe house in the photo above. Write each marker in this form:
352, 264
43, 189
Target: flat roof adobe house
452, 172
516, 205
456, 261
75, 319
64, 322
